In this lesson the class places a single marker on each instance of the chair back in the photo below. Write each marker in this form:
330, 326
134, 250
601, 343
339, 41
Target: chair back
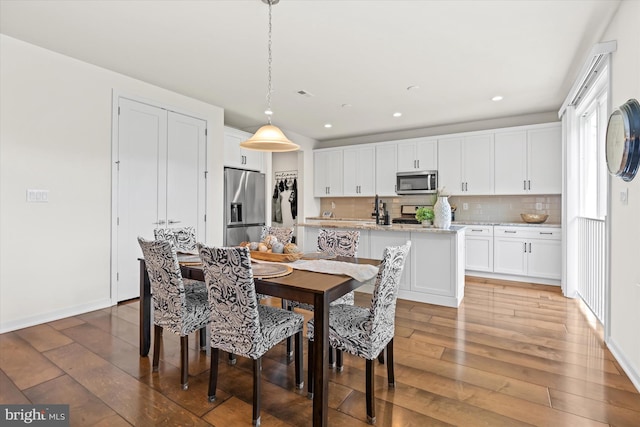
283, 234
235, 321
183, 237
167, 287
385, 291
339, 242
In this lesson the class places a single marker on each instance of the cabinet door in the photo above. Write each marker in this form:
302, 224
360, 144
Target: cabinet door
386, 170
545, 160
427, 154
359, 171
510, 256
406, 157
334, 170
450, 165
511, 163
378, 240
350, 171
477, 164
310, 243
232, 156
544, 258
433, 264
252, 159
479, 253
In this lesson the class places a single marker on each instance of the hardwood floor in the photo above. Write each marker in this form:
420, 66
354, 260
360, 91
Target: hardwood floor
512, 354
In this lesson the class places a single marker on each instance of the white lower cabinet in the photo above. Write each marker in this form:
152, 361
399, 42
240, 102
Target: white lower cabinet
528, 251
379, 240
479, 248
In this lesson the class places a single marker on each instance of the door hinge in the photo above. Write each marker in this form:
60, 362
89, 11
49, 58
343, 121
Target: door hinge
118, 165
118, 110
118, 221
117, 277
206, 131
205, 217
205, 174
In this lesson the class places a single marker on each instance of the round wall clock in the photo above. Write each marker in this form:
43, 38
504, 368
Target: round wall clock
622, 145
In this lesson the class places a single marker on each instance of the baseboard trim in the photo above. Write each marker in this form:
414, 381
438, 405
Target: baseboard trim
40, 318
627, 366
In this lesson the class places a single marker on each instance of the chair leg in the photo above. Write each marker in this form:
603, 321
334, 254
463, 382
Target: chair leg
157, 341
298, 361
310, 370
203, 339
213, 374
390, 374
381, 357
184, 362
371, 404
286, 306
257, 367
332, 353
339, 361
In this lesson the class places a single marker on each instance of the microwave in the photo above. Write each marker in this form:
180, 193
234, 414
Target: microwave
418, 182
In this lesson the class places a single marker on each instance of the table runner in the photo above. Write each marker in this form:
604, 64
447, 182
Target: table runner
360, 272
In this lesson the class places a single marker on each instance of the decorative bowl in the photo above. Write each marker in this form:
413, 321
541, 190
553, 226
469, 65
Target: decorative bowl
534, 218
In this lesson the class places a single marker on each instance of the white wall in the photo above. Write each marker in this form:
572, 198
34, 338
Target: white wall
624, 338
55, 134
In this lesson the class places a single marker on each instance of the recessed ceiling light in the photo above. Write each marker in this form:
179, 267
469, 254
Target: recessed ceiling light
398, 114
346, 105
497, 98
413, 87
328, 125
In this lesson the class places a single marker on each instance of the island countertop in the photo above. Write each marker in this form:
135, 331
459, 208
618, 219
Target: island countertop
362, 225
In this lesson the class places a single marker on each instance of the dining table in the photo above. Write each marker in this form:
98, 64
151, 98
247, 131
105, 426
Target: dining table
305, 286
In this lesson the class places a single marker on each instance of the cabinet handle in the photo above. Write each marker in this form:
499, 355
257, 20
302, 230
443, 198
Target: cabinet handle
525, 248
546, 232
473, 229
529, 247
509, 231
462, 186
529, 182
466, 186
418, 161
524, 184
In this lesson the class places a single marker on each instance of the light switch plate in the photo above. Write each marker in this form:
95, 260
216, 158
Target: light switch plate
624, 196
37, 196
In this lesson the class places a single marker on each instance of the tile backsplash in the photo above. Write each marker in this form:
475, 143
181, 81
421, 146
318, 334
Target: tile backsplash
479, 208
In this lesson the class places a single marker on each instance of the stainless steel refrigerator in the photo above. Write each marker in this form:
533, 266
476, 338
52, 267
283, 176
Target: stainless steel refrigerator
244, 206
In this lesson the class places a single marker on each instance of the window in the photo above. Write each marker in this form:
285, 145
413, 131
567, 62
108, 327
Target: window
592, 118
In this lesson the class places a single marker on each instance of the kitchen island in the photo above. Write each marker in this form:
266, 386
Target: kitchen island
434, 271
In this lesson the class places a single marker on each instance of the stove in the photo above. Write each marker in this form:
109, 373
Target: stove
405, 220
408, 213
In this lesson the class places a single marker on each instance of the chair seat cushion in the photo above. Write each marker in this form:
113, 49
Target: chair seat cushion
350, 331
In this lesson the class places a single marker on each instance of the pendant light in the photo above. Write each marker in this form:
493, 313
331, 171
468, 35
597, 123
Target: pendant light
269, 137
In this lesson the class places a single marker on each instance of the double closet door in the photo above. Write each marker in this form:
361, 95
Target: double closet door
161, 182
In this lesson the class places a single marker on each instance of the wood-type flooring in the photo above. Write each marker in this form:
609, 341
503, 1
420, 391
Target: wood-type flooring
512, 354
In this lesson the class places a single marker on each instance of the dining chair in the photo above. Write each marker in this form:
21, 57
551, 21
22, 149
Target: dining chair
174, 308
367, 331
283, 234
334, 243
239, 324
183, 237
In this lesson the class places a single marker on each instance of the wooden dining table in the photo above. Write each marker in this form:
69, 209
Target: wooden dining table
310, 287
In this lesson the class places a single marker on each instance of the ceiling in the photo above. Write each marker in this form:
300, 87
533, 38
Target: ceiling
361, 53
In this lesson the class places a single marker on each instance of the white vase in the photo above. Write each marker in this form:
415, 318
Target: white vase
442, 212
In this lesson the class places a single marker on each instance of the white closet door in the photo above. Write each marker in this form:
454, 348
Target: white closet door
160, 183
186, 182
142, 138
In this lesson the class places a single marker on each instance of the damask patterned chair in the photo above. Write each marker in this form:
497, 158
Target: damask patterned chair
183, 237
337, 243
283, 234
174, 308
239, 325
365, 332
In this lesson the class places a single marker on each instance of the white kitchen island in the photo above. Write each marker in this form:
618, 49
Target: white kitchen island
433, 273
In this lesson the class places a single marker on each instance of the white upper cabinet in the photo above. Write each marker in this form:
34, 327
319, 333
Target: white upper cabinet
466, 165
386, 156
359, 171
237, 157
327, 173
417, 154
528, 161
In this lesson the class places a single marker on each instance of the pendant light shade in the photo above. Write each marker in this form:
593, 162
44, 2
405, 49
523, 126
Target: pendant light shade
269, 138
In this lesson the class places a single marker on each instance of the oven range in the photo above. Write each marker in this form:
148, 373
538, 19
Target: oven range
408, 215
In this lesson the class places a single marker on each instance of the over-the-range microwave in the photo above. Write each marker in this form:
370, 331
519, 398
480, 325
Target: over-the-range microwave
418, 182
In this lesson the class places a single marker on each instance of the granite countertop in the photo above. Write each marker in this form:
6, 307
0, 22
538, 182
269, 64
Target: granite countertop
361, 225
508, 224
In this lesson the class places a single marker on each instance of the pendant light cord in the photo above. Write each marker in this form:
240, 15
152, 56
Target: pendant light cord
269, 112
